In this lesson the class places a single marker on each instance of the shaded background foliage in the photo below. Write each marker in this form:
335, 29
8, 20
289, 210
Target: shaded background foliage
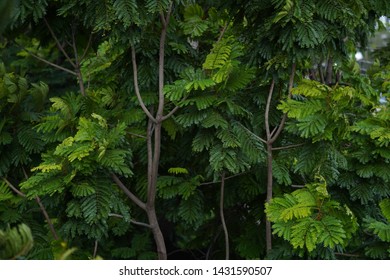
252, 90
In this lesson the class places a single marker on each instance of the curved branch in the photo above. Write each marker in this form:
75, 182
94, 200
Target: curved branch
12, 187
58, 43
133, 197
136, 86
284, 118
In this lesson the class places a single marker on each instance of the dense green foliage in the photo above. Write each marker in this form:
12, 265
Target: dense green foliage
185, 129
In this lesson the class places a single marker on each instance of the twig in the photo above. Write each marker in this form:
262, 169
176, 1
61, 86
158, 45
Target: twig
115, 215
133, 198
86, 48
254, 135
140, 223
288, 147
137, 135
41, 206
131, 220
226, 178
48, 220
167, 116
58, 43
77, 64
223, 31
212, 244
51, 63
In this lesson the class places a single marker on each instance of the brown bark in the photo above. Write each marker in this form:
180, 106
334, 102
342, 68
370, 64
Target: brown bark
329, 71
153, 137
268, 232
272, 136
41, 206
223, 221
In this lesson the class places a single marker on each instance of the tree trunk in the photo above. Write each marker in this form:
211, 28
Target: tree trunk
157, 234
268, 229
329, 71
153, 164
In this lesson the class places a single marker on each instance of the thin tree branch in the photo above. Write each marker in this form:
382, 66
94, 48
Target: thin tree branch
298, 186
131, 220
161, 63
137, 135
288, 147
140, 223
221, 213
254, 135
47, 218
51, 63
149, 147
86, 48
226, 178
133, 197
43, 209
212, 243
58, 43
77, 63
95, 249
167, 116
267, 108
41, 206
223, 31
115, 215
76, 56
284, 118
12, 187
136, 86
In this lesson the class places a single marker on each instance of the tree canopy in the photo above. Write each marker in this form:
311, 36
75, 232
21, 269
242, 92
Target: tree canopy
187, 129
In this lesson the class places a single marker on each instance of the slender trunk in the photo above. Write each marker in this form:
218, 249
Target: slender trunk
272, 136
221, 213
153, 164
153, 137
329, 71
321, 73
268, 232
157, 234
268, 229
